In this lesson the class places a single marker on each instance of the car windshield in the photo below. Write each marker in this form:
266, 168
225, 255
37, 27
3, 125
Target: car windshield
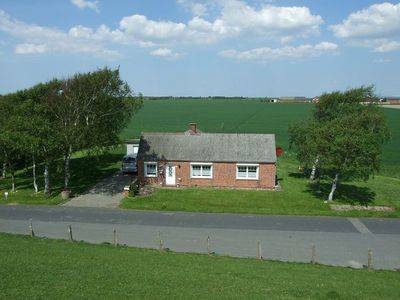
129, 160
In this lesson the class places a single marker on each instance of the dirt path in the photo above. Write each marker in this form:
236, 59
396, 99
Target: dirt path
107, 193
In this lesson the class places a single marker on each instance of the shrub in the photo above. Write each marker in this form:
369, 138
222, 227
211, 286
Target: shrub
134, 188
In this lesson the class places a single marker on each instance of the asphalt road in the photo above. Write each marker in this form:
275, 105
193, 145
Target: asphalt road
339, 241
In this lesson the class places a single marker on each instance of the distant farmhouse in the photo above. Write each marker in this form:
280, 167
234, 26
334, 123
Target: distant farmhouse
195, 158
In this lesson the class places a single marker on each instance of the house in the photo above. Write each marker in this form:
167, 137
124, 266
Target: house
195, 158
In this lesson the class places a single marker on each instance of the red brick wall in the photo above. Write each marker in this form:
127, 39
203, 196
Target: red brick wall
224, 175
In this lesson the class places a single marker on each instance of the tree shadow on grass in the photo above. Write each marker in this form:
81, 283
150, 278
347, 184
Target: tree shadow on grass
86, 171
297, 175
345, 193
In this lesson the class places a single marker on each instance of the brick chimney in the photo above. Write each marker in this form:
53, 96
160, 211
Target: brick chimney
193, 127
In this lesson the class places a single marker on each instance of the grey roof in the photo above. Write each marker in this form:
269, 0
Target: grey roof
208, 147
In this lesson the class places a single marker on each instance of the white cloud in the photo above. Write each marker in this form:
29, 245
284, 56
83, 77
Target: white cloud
82, 4
375, 27
30, 49
196, 8
382, 61
273, 54
38, 39
234, 19
165, 53
139, 28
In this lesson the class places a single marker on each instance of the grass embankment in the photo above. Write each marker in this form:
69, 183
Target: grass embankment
86, 171
54, 269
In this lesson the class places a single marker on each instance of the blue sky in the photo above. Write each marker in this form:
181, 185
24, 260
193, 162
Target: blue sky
205, 48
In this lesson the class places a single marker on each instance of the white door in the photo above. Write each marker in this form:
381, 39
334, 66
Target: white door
170, 175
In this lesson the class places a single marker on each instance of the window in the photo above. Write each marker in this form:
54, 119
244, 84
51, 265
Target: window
150, 169
201, 170
246, 171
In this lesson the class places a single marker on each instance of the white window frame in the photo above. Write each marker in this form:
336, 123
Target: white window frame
247, 171
145, 168
201, 164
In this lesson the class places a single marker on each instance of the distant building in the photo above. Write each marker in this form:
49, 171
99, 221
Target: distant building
395, 100
292, 99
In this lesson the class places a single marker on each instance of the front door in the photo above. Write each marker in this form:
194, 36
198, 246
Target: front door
170, 175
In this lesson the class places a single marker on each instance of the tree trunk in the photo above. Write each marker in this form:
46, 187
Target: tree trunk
67, 174
35, 186
12, 182
4, 170
333, 189
47, 189
314, 169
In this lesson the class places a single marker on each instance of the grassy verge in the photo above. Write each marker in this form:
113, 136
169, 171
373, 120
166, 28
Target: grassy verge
41, 268
297, 197
86, 171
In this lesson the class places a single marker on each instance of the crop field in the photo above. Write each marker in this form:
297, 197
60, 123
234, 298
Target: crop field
250, 116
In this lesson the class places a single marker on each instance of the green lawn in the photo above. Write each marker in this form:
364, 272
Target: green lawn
297, 198
33, 268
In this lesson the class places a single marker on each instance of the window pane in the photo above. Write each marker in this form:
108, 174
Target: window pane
206, 171
196, 170
242, 171
252, 172
151, 169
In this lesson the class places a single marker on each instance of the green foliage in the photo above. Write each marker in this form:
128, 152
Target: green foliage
134, 188
84, 112
344, 134
33, 268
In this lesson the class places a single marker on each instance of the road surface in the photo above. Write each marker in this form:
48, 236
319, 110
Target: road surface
338, 241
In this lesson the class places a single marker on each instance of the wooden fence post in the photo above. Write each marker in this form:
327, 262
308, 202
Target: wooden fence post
259, 250
370, 261
313, 254
32, 233
115, 237
69, 228
161, 246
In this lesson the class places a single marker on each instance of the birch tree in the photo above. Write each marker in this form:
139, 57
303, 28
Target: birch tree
345, 134
11, 139
88, 111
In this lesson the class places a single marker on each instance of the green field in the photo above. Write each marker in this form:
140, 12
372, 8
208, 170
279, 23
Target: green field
250, 116
33, 268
